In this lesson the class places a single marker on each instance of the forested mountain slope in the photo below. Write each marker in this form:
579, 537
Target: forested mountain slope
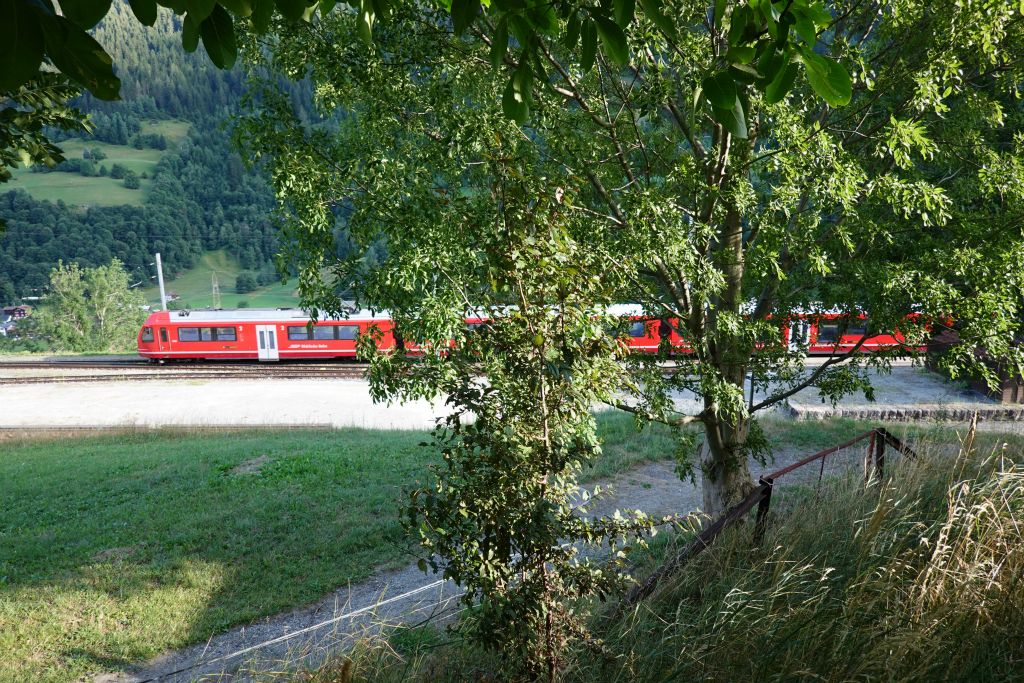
197, 196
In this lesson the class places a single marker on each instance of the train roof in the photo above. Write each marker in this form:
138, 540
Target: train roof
235, 315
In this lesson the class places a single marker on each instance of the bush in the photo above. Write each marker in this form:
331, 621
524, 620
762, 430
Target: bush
131, 181
117, 171
245, 283
243, 304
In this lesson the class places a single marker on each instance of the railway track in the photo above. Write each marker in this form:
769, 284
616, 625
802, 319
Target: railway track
148, 372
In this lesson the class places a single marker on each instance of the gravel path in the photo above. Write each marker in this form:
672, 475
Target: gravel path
335, 622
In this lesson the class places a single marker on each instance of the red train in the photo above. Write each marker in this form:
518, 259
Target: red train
278, 334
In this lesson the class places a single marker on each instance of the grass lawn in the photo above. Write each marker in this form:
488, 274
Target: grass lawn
115, 548
194, 286
79, 190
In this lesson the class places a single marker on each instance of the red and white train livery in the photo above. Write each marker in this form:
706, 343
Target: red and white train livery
255, 334
285, 334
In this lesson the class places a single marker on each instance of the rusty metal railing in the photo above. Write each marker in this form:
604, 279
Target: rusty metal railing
761, 496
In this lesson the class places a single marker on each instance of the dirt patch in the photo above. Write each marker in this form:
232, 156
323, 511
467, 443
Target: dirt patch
114, 554
250, 466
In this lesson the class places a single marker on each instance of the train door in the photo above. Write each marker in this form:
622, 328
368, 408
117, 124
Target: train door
266, 340
799, 335
164, 343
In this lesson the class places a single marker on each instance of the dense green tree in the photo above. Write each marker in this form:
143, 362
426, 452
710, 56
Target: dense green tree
245, 282
90, 309
888, 206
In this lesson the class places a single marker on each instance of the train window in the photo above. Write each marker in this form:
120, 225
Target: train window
858, 328
473, 327
828, 333
163, 334
206, 333
225, 334
188, 334
147, 334
348, 332
323, 332
638, 329
298, 332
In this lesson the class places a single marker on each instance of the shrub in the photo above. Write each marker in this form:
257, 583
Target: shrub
131, 181
117, 171
245, 282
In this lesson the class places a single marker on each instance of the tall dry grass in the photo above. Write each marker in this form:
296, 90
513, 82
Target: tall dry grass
919, 577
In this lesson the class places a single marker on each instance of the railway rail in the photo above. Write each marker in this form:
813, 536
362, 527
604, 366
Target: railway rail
144, 371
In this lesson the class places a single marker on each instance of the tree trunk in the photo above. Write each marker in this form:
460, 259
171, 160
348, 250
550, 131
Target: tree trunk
724, 463
724, 466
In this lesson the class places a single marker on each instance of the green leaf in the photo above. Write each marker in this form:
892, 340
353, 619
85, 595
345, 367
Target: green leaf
782, 84
516, 100
719, 12
326, 6
805, 27
720, 89
613, 40
624, 11
294, 9
741, 16
543, 17
499, 43
262, 12
828, 78
84, 13
777, 89
732, 118
200, 9
572, 31
771, 64
144, 11
818, 14
464, 13
652, 11
218, 34
740, 55
238, 8
589, 48
189, 34
21, 44
80, 57
367, 17
744, 73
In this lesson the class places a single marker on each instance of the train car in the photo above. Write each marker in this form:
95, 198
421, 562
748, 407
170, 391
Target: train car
256, 334
286, 334
830, 334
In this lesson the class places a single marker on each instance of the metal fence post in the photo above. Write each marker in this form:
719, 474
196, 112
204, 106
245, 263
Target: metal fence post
762, 510
869, 456
880, 455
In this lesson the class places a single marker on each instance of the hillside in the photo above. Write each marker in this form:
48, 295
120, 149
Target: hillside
171, 132
102, 189
193, 287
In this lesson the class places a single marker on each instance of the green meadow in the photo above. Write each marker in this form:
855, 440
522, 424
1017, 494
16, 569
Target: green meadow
195, 286
77, 190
